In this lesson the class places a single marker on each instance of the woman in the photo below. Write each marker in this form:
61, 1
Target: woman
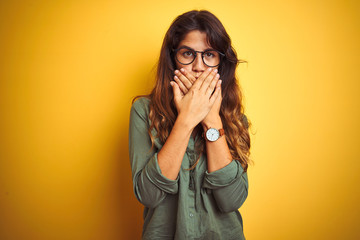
188, 140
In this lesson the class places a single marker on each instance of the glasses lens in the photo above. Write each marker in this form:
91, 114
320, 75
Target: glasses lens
185, 56
211, 58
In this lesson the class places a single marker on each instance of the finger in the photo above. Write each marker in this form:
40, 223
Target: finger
198, 82
212, 85
216, 94
182, 87
185, 82
206, 83
176, 91
188, 75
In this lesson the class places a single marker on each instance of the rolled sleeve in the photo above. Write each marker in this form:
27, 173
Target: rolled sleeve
153, 172
229, 186
221, 177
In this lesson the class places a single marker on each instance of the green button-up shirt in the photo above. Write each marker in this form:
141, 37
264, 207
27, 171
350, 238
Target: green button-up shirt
198, 204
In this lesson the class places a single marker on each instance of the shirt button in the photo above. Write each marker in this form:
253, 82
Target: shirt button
191, 215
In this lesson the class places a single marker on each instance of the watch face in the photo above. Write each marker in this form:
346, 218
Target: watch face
212, 134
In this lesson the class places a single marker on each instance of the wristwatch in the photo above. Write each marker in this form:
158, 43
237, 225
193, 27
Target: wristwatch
213, 134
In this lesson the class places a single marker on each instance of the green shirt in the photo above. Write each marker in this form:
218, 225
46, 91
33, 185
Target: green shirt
198, 204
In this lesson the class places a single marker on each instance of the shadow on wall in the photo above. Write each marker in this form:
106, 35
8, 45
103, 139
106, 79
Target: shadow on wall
124, 209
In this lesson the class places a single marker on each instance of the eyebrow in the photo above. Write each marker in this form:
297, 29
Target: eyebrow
207, 49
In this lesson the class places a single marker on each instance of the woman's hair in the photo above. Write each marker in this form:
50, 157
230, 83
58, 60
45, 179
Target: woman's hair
162, 110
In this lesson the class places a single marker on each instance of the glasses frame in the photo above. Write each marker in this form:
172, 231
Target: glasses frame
222, 55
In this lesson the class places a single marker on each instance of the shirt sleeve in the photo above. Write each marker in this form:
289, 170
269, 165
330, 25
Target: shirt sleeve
229, 186
150, 186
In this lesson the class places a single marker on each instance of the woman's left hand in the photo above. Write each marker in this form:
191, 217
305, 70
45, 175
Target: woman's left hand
185, 81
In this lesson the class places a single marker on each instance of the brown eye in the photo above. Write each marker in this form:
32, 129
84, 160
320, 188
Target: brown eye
188, 54
209, 54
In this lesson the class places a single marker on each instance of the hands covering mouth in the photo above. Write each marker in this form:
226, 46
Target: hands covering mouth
197, 100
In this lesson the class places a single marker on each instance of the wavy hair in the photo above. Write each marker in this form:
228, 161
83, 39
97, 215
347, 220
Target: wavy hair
162, 110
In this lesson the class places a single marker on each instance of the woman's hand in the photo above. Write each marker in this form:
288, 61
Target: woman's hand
194, 98
185, 81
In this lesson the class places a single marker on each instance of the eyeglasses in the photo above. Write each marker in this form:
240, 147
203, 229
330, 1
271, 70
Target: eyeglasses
187, 55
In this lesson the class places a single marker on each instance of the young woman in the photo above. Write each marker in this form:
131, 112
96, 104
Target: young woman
188, 140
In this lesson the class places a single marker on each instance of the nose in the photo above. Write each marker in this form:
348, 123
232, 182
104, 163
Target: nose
198, 64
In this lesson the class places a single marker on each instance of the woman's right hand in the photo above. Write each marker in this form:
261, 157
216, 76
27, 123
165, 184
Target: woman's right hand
195, 104
184, 79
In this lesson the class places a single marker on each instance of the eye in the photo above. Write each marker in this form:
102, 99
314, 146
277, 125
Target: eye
209, 54
188, 54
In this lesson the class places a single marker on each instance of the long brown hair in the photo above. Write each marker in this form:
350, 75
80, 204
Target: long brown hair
162, 110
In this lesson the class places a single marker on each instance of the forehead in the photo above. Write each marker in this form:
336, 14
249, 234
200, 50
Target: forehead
196, 40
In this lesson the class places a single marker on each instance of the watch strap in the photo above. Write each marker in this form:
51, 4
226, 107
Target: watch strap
221, 131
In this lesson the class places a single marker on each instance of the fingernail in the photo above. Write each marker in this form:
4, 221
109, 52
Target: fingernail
217, 75
209, 69
215, 70
220, 81
176, 71
171, 83
182, 70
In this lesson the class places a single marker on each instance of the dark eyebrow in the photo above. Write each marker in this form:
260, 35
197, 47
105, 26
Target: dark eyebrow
207, 49
184, 46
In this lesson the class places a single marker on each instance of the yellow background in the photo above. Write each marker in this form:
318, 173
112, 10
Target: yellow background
68, 72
